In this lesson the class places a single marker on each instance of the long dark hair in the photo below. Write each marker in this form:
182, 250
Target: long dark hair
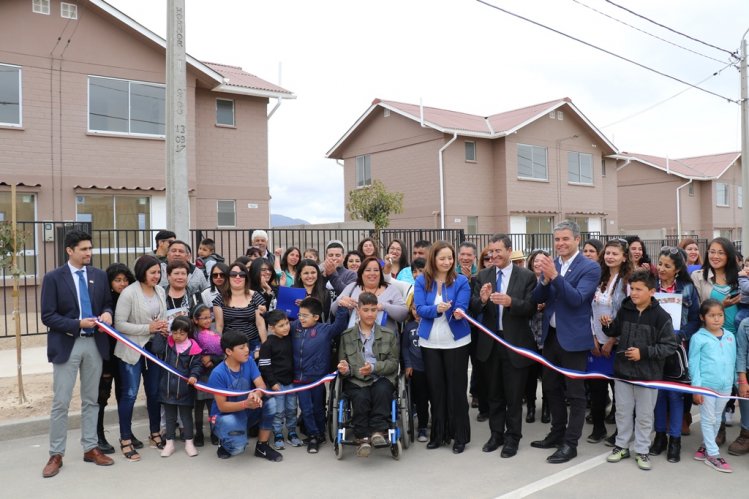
636, 239
318, 289
403, 260
360, 248
360, 272
732, 265
226, 292
224, 268
256, 273
679, 257
625, 269
285, 259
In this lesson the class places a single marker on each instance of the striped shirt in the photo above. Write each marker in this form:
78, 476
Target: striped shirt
241, 319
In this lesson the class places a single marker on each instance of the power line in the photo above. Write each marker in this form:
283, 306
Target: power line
646, 32
607, 52
732, 54
652, 106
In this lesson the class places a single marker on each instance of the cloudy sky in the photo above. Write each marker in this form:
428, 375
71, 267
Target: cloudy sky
339, 55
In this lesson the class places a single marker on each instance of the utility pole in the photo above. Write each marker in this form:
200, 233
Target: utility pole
744, 149
177, 200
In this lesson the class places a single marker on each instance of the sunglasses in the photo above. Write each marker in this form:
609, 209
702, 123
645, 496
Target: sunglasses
671, 250
219, 274
238, 274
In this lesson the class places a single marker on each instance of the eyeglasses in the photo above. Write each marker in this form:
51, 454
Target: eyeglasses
219, 274
487, 259
265, 270
304, 316
238, 274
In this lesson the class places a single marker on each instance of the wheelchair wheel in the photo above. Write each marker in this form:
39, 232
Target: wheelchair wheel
396, 450
410, 412
338, 449
403, 420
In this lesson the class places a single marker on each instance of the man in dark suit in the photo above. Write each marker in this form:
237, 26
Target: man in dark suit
73, 297
502, 298
567, 287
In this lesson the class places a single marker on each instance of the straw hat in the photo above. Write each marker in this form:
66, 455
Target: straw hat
517, 255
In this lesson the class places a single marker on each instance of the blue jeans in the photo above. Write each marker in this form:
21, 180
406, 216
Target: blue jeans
710, 412
130, 375
741, 314
231, 428
670, 406
312, 404
286, 408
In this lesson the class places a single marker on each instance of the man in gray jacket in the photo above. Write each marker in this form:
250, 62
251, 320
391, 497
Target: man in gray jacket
181, 251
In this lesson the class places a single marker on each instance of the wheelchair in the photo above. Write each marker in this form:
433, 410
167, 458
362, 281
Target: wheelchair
400, 432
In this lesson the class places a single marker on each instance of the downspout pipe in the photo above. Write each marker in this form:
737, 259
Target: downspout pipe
678, 209
278, 104
442, 179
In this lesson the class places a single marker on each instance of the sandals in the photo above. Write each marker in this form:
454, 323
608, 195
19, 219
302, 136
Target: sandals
132, 454
155, 441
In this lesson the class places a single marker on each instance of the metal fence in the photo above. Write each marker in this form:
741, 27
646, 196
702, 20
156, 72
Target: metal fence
43, 250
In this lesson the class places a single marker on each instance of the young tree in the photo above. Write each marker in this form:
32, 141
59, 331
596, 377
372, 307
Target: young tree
374, 204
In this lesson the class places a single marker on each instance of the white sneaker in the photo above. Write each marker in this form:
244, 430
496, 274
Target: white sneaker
190, 448
168, 449
730, 418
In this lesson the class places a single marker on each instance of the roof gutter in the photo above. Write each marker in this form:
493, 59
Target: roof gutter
442, 179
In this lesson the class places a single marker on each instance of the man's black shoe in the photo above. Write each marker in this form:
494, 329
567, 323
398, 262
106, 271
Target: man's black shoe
509, 449
563, 454
549, 442
494, 443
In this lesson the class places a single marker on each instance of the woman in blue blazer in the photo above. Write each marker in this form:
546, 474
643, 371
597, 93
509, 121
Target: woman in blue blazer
445, 341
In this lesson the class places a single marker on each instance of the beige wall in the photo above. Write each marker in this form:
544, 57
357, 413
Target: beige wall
55, 150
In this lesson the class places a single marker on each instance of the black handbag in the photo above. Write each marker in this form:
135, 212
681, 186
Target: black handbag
676, 367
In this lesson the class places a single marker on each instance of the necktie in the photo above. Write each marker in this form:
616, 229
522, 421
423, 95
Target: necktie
499, 307
86, 311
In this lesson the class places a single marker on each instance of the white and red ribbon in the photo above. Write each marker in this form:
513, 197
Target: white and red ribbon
111, 331
571, 373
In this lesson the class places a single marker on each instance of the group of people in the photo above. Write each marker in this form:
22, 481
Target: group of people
369, 316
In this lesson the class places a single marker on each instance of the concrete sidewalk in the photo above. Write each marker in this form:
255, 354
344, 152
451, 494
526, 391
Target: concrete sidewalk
33, 360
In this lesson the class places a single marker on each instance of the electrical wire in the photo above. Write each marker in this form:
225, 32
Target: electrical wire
646, 32
732, 54
652, 106
596, 47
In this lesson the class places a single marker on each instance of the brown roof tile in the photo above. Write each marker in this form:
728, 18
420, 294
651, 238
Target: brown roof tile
237, 77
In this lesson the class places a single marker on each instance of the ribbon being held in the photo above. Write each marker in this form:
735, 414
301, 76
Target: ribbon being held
111, 331
570, 373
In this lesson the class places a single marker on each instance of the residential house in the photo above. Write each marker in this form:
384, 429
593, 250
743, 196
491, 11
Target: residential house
519, 171
82, 123
702, 194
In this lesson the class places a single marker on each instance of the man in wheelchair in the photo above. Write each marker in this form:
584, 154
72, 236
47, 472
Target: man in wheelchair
368, 365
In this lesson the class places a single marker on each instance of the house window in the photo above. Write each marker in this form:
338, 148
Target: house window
225, 112
126, 107
363, 170
68, 10
579, 168
40, 6
386, 113
560, 115
721, 194
691, 188
473, 225
114, 212
603, 167
582, 222
470, 151
726, 233
10, 95
226, 210
539, 225
532, 162
739, 196
25, 212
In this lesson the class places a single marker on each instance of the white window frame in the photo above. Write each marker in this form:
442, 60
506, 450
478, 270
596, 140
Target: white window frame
473, 159
534, 149
576, 168
233, 113
722, 188
363, 171
129, 108
20, 98
41, 7
219, 212
68, 10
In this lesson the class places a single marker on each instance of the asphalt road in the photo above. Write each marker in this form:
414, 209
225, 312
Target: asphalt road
419, 474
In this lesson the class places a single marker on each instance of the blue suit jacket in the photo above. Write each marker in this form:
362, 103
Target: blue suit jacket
571, 298
460, 295
60, 311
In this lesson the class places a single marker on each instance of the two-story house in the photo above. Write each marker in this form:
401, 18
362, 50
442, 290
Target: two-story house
82, 123
519, 171
701, 195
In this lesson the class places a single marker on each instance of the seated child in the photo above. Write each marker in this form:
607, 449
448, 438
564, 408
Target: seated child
233, 415
210, 343
646, 339
182, 352
368, 363
311, 343
414, 367
276, 364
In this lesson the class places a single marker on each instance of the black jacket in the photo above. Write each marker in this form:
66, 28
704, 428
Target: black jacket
651, 331
172, 389
276, 361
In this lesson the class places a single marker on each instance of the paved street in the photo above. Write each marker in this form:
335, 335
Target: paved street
420, 473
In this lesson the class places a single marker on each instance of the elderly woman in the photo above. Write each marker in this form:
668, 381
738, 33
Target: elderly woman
179, 300
140, 314
389, 298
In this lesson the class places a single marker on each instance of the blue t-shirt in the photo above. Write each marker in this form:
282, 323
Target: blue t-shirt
224, 378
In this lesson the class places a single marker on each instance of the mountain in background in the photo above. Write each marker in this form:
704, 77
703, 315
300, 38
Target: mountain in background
283, 221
